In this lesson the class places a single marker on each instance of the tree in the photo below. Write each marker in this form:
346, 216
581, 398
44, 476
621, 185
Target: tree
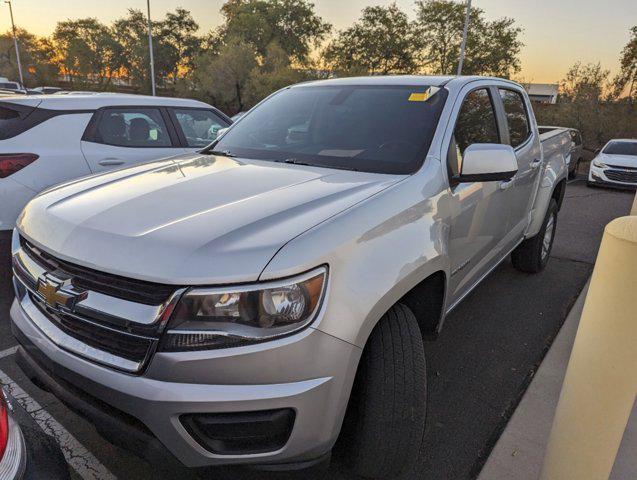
87, 51
291, 24
179, 31
223, 77
36, 56
492, 48
583, 94
626, 80
382, 41
174, 44
273, 74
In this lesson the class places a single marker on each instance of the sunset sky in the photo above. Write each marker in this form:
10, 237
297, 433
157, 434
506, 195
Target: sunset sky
557, 33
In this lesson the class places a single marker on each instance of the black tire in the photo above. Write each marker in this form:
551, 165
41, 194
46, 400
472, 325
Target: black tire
385, 420
530, 255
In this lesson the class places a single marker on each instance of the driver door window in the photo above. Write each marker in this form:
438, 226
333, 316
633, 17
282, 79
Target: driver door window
200, 127
476, 124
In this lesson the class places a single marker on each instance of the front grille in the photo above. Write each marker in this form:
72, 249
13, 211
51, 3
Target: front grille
131, 347
98, 316
139, 291
622, 167
621, 176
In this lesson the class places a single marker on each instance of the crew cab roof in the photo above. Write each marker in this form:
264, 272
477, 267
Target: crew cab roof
413, 80
93, 101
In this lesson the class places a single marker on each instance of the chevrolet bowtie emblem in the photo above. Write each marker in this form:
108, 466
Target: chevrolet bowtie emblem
58, 293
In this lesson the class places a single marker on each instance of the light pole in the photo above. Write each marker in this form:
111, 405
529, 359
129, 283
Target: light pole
150, 49
15, 43
464, 37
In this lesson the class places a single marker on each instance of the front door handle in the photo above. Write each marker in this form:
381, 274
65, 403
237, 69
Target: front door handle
536, 163
111, 162
506, 184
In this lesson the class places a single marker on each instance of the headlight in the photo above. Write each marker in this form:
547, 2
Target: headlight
598, 163
207, 318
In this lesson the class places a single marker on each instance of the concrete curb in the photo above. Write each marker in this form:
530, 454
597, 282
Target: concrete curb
519, 453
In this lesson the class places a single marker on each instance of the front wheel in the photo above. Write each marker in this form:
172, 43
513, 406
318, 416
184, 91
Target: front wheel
385, 420
533, 254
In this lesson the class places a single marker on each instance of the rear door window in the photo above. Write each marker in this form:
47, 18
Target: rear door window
517, 117
199, 126
132, 127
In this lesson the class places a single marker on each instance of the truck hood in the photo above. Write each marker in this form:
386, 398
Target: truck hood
619, 160
198, 220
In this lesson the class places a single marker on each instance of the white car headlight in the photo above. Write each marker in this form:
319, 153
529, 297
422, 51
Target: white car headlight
598, 163
207, 318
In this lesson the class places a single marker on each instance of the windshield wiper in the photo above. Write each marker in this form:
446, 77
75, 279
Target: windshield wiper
222, 153
296, 161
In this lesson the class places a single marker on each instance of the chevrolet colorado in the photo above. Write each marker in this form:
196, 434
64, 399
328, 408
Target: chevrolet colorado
250, 303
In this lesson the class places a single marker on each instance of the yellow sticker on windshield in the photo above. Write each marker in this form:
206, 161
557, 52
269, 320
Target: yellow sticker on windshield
419, 97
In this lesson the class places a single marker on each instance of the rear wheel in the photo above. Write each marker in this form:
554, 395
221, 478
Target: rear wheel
385, 420
533, 254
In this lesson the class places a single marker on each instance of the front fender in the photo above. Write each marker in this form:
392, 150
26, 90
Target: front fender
376, 251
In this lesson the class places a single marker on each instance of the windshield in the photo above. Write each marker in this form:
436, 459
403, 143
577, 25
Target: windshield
384, 129
621, 148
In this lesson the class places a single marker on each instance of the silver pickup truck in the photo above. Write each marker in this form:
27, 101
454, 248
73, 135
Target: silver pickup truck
251, 303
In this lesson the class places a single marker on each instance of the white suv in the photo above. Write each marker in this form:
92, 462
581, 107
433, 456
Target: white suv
48, 139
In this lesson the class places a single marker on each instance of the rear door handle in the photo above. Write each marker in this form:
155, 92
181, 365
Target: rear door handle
506, 184
536, 163
110, 162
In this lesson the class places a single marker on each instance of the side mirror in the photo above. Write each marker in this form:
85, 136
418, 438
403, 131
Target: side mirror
597, 150
487, 162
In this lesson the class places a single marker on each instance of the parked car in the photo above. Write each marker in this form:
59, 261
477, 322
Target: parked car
48, 90
576, 156
48, 139
7, 84
245, 304
26, 452
615, 165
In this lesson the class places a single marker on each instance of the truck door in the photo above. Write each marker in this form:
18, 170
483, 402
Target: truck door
479, 210
529, 155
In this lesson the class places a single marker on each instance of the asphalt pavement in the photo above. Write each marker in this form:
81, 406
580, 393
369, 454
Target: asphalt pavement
479, 368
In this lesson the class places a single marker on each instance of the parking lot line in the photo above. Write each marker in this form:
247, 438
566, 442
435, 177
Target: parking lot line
8, 352
77, 456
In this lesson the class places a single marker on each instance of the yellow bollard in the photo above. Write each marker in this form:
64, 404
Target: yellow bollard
601, 380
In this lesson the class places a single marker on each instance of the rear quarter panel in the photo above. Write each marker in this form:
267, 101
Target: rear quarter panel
57, 142
556, 147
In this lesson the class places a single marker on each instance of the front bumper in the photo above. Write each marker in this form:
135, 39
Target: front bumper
603, 176
310, 373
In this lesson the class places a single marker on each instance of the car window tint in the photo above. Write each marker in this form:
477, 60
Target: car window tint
621, 148
133, 128
517, 118
200, 127
9, 119
476, 124
372, 128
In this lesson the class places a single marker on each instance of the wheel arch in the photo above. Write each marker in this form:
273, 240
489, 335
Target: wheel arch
558, 193
426, 300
